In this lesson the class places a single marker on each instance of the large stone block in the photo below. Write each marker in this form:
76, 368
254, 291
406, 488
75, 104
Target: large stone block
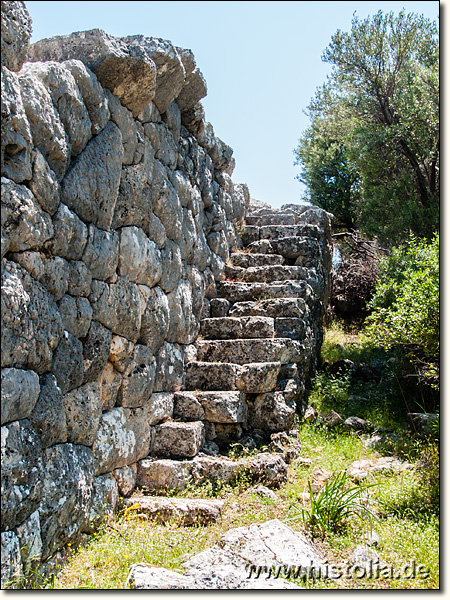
51, 271
210, 376
126, 479
276, 308
246, 351
91, 186
183, 325
68, 483
11, 560
139, 258
44, 184
101, 253
130, 77
272, 411
172, 266
31, 324
223, 407
49, 416
70, 236
20, 391
16, 33
46, 126
178, 440
122, 439
159, 407
184, 511
117, 306
24, 224
96, 346
67, 100
92, 92
169, 368
21, 475
256, 378
223, 328
76, 314
29, 534
16, 140
138, 378
67, 363
105, 499
186, 407
83, 408
163, 474
166, 204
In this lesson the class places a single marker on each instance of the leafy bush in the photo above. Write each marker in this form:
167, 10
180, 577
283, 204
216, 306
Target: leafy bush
405, 306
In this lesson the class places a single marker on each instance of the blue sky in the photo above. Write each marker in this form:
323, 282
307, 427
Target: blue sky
261, 60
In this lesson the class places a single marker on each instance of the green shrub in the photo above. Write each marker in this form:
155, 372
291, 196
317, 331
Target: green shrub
405, 306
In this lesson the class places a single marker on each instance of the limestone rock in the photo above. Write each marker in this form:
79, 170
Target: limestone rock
11, 560
210, 376
101, 253
91, 186
83, 408
24, 224
169, 368
223, 407
139, 257
96, 344
178, 440
170, 72
117, 306
217, 470
238, 328
130, 77
122, 438
163, 474
184, 511
29, 534
110, 380
251, 350
138, 378
67, 100
105, 499
268, 469
194, 87
361, 469
422, 422
16, 140
21, 475
46, 127
31, 325
186, 407
20, 391
15, 34
49, 417
143, 576
45, 185
70, 236
126, 479
93, 95
67, 363
159, 407
155, 320
51, 272
257, 378
76, 314
172, 266
66, 496
120, 352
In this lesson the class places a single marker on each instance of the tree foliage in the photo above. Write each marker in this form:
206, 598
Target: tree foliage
371, 153
405, 306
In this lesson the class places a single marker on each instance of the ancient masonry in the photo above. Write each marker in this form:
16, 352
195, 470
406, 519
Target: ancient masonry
152, 314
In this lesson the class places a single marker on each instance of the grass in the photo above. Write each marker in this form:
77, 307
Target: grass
406, 504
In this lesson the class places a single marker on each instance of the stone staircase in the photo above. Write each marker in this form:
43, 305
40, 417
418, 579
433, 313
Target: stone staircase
257, 347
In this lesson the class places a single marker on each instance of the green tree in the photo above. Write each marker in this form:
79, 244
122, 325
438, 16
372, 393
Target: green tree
375, 127
405, 306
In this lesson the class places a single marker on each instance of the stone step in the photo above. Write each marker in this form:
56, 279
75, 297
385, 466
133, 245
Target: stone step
251, 378
252, 233
179, 440
241, 352
267, 274
184, 511
246, 260
276, 307
224, 328
241, 291
297, 246
272, 218
223, 406
292, 328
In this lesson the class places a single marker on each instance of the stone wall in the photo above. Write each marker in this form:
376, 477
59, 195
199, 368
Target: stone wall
118, 217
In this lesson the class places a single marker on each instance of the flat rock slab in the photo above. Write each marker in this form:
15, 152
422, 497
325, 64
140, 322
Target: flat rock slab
276, 307
246, 259
223, 328
247, 351
361, 469
241, 291
186, 511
